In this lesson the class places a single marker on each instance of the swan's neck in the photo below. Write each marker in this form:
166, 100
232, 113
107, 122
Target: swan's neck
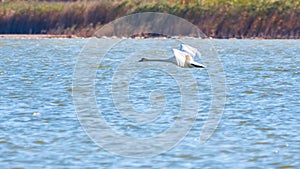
156, 60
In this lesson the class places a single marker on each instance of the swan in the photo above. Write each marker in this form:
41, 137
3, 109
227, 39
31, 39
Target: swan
184, 57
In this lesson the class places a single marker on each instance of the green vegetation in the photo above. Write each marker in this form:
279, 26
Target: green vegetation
216, 18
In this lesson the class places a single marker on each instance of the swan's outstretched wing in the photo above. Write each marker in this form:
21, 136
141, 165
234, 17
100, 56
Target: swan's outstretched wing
190, 50
180, 57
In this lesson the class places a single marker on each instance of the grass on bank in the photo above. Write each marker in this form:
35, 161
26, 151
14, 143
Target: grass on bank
216, 18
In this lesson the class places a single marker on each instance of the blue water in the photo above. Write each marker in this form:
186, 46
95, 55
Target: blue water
259, 127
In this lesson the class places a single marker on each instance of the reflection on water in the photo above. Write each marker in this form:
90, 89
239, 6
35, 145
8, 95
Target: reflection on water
260, 124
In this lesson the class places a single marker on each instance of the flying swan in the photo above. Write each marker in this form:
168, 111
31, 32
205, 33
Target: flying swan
184, 57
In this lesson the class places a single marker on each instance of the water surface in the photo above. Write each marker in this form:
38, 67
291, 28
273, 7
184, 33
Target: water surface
259, 128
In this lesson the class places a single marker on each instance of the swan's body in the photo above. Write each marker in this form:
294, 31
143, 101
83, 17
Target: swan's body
183, 58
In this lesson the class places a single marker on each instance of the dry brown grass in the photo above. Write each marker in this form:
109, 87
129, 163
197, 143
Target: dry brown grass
216, 18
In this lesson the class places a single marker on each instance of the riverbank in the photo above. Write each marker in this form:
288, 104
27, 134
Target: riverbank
217, 19
50, 36
34, 36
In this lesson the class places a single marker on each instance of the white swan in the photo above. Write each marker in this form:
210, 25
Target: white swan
184, 57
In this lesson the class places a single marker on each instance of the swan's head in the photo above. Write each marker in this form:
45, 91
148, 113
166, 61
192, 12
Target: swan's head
142, 60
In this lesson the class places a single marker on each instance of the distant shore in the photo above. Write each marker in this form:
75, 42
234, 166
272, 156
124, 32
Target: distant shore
220, 19
50, 36
34, 36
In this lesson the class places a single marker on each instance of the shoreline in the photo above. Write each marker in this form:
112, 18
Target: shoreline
220, 19
34, 36
51, 36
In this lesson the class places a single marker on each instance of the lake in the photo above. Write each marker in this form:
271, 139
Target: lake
49, 122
